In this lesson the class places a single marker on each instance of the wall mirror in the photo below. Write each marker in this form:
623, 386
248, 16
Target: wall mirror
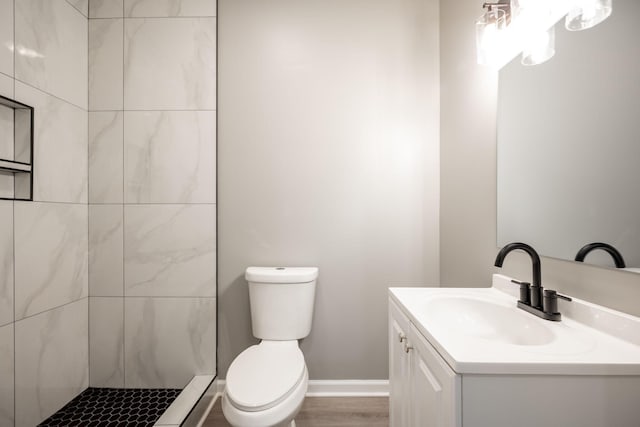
569, 143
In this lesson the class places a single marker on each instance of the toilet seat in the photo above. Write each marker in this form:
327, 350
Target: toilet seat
264, 375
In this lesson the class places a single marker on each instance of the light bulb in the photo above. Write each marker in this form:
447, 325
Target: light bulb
540, 47
588, 13
488, 37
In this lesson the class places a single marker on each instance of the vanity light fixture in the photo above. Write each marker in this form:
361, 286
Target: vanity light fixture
510, 27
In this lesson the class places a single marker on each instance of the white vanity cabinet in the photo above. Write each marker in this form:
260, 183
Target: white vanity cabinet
452, 365
424, 390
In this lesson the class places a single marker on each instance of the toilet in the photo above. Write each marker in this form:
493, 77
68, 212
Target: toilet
267, 382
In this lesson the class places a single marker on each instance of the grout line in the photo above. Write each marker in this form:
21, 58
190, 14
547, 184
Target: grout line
149, 204
216, 195
7, 75
89, 323
13, 226
48, 93
53, 308
157, 296
78, 10
152, 110
165, 17
48, 202
15, 397
124, 312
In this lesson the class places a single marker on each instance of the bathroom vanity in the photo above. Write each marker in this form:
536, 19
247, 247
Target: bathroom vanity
468, 357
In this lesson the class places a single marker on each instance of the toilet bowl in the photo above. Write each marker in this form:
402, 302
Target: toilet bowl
266, 385
267, 382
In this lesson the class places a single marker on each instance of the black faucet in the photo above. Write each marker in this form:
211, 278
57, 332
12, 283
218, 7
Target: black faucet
615, 254
535, 288
531, 294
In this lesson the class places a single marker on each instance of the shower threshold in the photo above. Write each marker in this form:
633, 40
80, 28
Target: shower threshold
115, 407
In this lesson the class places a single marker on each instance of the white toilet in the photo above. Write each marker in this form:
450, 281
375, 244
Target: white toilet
266, 383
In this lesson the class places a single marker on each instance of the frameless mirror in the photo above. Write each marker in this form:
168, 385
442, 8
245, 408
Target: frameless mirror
569, 143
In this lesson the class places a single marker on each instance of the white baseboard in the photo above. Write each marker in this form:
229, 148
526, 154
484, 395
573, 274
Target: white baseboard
339, 388
354, 388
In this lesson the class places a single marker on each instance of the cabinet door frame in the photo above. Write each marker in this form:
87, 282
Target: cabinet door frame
430, 370
399, 368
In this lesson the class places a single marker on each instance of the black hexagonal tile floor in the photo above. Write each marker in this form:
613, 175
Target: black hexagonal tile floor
113, 407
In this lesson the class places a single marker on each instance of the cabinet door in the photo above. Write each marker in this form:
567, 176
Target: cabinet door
398, 368
435, 389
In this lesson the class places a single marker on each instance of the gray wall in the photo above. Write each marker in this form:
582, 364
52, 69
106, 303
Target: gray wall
468, 162
328, 149
152, 192
43, 244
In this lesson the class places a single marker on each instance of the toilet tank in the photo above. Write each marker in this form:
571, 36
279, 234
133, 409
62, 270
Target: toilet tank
281, 300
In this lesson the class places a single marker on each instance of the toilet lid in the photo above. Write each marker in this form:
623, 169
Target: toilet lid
265, 374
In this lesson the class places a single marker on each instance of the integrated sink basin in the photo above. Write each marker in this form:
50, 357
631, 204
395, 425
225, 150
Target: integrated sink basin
488, 320
482, 331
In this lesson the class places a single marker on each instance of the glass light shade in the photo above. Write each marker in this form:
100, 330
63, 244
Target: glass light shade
587, 14
488, 28
541, 46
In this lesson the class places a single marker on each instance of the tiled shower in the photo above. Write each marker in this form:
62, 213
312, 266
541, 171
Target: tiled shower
108, 277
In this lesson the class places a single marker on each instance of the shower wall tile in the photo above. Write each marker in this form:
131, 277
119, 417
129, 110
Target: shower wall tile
106, 250
6, 263
60, 147
105, 157
170, 64
52, 38
170, 250
6, 85
51, 246
6, 375
170, 157
105, 64
106, 342
51, 361
6, 37
81, 6
168, 340
106, 8
166, 8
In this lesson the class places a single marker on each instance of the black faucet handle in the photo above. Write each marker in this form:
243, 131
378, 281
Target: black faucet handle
525, 288
550, 301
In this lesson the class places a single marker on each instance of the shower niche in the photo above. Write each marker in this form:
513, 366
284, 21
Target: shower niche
16, 150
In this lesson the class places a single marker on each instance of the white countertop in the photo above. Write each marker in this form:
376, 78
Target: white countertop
590, 339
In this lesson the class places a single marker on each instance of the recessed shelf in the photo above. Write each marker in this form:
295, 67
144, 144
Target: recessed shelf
16, 150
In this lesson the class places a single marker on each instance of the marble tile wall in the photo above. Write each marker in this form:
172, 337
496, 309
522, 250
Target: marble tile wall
168, 340
44, 358
6, 374
106, 349
6, 263
6, 37
52, 359
51, 53
152, 191
50, 256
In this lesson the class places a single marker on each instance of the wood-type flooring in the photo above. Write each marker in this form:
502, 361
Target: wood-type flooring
327, 412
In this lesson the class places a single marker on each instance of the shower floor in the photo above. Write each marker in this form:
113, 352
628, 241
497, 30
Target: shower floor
111, 407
